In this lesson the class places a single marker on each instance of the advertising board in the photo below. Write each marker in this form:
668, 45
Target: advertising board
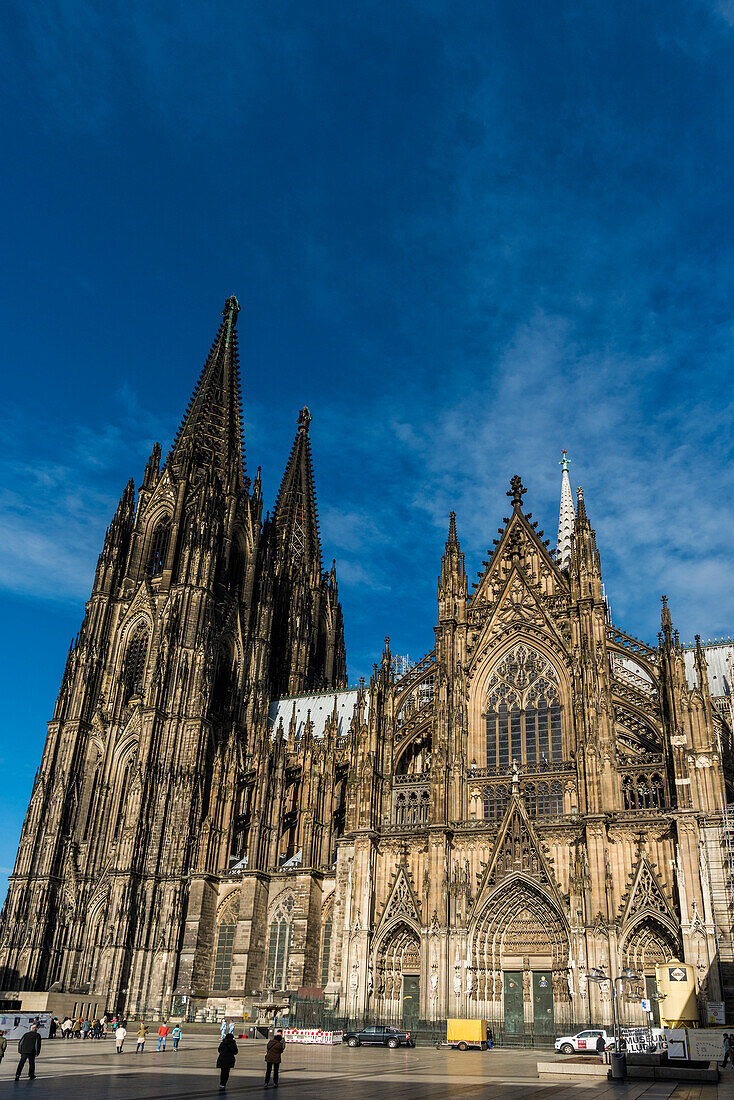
15, 1024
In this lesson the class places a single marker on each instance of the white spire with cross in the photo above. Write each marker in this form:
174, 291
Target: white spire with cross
566, 518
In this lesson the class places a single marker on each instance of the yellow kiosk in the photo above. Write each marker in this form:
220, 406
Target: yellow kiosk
676, 982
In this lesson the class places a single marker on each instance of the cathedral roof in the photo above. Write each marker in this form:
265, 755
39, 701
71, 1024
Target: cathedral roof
718, 654
321, 706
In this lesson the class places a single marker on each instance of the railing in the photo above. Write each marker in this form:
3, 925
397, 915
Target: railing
633, 695
542, 767
420, 779
634, 645
621, 672
416, 672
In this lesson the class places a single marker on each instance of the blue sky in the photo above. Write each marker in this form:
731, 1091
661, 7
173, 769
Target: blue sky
466, 235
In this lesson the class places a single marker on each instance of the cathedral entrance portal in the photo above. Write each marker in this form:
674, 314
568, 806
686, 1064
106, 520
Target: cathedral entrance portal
398, 977
520, 957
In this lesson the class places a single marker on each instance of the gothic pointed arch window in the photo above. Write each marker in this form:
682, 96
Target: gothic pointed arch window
279, 944
122, 799
93, 788
327, 918
158, 550
523, 710
226, 928
496, 799
657, 791
400, 810
133, 669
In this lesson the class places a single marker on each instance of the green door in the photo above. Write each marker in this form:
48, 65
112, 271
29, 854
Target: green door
651, 986
411, 1000
543, 1002
514, 1015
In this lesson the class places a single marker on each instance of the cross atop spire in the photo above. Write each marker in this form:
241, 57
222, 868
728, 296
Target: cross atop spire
517, 491
566, 517
295, 516
211, 430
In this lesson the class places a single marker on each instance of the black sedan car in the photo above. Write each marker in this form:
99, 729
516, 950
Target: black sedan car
381, 1037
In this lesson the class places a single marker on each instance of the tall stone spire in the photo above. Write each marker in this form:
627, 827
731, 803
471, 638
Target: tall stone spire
295, 517
566, 518
211, 430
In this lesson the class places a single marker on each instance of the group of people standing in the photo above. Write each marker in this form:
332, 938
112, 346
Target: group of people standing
29, 1046
228, 1051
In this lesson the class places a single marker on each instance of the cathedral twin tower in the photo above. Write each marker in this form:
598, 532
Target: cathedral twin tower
217, 815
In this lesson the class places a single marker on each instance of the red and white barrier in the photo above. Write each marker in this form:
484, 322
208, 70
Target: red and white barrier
312, 1035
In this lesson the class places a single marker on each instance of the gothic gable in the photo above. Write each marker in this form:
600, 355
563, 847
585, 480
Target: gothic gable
402, 901
518, 607
519, 544
646, 896
518, 851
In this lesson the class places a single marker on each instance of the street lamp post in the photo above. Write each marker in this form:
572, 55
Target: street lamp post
627, 975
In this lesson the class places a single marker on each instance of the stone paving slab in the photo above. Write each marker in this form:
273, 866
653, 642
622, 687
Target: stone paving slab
77, 1071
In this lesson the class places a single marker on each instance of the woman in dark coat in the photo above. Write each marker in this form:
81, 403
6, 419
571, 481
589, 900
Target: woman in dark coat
228, 1051
273, 1054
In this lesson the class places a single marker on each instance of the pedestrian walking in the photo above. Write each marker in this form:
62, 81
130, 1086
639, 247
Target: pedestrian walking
29, 1048
490, 1038
176, 1036
142, 1032
120, 1035
97, 1030
228, 1052
273, 1054
86, 1028
600, 1046
230, 1030
3, 1045
727, 1049
53, 1027
76, 1029
66, 1027
163, 1033
223, 1029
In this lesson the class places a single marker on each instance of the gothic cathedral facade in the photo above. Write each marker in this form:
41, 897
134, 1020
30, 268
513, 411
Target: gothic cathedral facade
218, 819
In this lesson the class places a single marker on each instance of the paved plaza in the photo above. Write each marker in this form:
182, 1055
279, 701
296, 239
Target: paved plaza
72, 1071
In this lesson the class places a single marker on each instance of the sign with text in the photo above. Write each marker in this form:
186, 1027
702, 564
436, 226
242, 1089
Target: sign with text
715, 1012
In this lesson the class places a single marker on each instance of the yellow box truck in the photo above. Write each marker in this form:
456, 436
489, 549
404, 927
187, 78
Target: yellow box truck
463, 1034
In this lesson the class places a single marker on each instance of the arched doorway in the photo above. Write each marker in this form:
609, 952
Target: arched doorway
520, 958
397, 980
647, 945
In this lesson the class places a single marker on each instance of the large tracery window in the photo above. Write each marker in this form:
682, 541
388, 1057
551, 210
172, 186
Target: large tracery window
133, 671
523, 710
279, 946
226, 927
158, 551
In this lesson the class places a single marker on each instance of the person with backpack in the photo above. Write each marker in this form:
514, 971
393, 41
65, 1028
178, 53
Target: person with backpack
142, 1032
29, 1048
273, 1054
176, 1036
228, 1051
163, 1033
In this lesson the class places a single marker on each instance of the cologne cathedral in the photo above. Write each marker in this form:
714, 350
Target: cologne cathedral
219, 821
